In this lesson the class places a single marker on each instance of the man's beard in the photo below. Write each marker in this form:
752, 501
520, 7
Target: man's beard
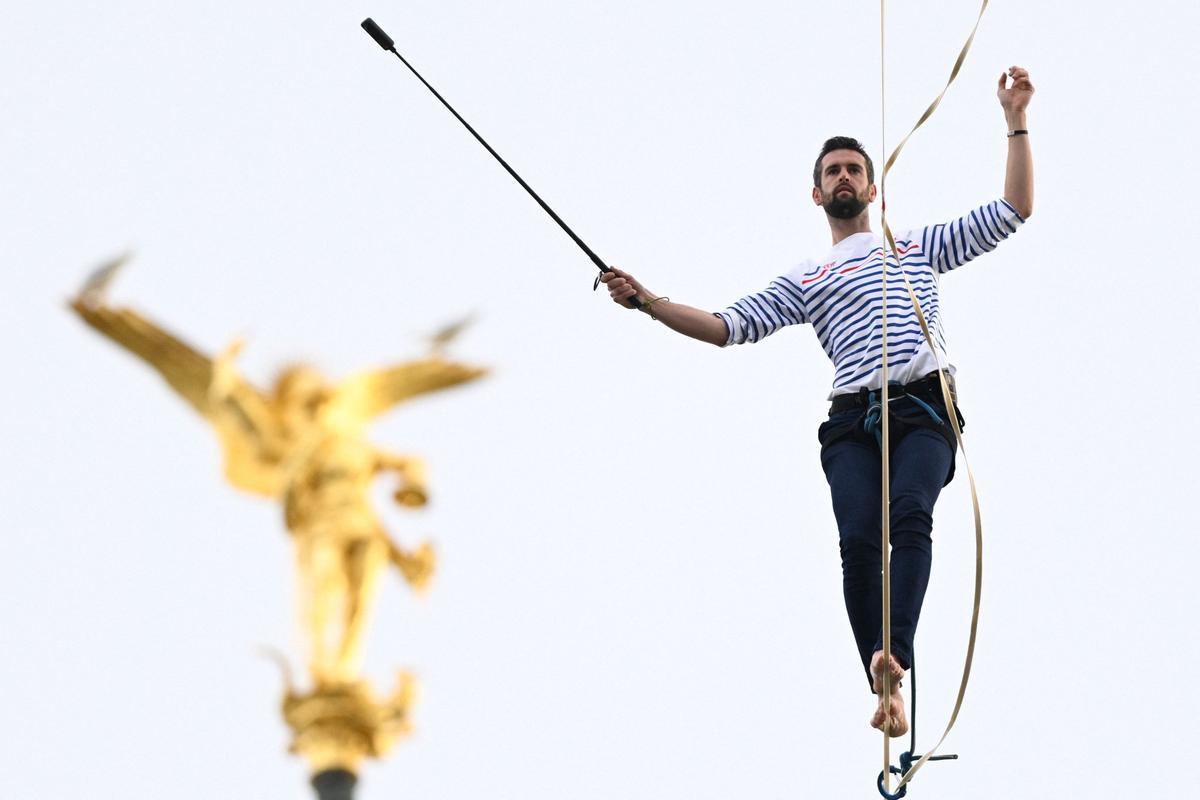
844, 205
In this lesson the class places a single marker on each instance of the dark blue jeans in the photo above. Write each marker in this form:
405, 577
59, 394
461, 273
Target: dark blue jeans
922, 462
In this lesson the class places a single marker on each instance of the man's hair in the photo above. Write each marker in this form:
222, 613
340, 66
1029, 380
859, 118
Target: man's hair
842, 143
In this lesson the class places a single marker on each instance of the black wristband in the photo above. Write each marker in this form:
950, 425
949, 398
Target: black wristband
1018, 132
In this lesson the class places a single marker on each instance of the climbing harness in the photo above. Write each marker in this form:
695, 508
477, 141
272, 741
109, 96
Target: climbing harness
874, 415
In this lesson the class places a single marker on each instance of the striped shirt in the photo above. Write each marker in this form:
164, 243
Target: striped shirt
840, 296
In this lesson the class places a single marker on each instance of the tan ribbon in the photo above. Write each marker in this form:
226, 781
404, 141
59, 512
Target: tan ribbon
885, 445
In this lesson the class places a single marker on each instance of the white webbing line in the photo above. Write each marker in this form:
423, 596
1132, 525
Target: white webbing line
885, 448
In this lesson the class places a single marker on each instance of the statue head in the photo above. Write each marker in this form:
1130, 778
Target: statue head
302, 393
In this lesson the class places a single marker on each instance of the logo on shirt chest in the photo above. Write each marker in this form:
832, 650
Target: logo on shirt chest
835, 268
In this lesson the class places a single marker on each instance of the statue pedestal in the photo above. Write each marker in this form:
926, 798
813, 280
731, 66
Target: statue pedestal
336, 726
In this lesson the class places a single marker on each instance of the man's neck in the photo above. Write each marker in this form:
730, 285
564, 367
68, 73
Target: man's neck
841, 228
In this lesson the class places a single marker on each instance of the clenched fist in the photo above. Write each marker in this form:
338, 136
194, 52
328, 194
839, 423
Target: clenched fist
622, 286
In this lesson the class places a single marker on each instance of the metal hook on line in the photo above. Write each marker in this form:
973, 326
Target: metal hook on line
906, 761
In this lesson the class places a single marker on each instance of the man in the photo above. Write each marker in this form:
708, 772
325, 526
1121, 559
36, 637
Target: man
840, 294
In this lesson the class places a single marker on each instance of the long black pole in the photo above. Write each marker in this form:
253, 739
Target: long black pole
385, 41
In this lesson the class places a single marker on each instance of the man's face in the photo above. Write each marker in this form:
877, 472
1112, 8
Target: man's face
844, 192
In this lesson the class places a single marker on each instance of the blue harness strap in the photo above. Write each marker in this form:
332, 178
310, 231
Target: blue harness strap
874, 413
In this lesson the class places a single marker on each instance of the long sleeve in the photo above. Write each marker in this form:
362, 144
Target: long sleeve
952, 244
757, 316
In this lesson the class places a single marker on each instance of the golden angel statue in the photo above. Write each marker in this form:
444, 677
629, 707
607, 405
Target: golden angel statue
302, 443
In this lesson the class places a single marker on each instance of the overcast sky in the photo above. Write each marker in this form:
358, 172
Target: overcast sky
639, 591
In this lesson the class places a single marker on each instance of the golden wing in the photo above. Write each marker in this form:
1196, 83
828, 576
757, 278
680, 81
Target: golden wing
186, 370
240, 414
369, 394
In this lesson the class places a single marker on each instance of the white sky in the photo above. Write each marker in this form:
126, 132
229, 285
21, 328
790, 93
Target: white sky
639, 593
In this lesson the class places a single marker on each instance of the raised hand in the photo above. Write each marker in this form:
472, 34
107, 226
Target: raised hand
1015, 97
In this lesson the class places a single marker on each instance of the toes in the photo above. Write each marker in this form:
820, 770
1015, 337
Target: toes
880, 718
897, 724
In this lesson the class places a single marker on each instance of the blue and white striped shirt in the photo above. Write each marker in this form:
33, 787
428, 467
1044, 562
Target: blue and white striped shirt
840, 295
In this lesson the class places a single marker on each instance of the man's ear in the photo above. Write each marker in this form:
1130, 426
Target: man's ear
871, 194
817, 196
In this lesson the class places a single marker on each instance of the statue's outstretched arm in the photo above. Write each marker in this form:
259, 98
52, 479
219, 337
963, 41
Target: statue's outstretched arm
412, 489
371, 393
235, 403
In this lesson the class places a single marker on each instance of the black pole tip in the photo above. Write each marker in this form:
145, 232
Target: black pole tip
334, 784
381, 38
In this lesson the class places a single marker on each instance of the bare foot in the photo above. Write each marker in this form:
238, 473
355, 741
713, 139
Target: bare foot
889, 716
877, 672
